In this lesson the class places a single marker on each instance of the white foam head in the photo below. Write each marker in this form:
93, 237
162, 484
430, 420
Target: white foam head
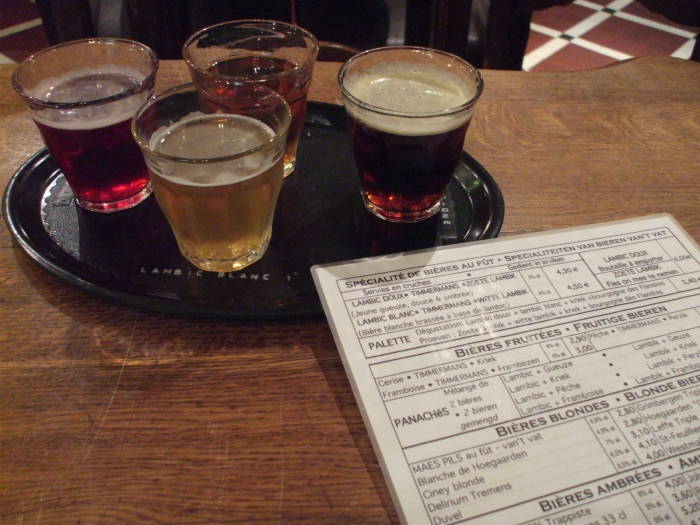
216, 139
100, 83
408, 99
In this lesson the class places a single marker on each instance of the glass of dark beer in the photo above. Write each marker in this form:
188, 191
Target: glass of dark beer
274, 54
408, 112
82, 96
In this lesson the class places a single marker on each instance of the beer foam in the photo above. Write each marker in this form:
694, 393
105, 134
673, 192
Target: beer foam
409, 88
86, 85
202, 136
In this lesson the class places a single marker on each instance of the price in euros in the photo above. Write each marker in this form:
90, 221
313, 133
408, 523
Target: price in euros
683, 495
625, 411
567, 270
655, 455
674, 483
578, 286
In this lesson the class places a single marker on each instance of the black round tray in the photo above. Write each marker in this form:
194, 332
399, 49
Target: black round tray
131, 256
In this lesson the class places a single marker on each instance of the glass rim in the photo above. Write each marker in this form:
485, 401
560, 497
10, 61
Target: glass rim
186, 56
406, 114
140, 86
144, 144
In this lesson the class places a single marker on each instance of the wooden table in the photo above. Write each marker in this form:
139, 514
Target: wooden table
112, 415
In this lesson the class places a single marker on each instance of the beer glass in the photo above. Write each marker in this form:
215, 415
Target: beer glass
408, 111
263, 52
82, 96
216, 172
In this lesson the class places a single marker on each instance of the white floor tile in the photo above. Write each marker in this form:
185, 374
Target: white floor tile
20, 27
685, 50
592, 46
587, 24
619, 4
656, 25
545, 30
543, 52
589, 5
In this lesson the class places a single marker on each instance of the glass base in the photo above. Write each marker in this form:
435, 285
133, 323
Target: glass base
401, 216
124, 204
226, 265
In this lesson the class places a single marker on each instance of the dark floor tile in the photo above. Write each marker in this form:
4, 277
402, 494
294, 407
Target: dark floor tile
573, 58
19, 46
563, 17
536, 40
633, 39
15, 12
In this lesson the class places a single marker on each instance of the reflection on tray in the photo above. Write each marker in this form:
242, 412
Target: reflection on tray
132, 256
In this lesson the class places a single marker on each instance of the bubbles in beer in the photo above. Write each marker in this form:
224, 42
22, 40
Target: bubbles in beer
203, 136
418, 90
219, 187
88, 85
409, 89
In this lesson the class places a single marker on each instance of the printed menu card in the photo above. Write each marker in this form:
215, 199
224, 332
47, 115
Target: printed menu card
548, 379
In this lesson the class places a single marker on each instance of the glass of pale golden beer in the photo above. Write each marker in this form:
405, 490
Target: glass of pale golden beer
275, 54
408, 112
82, 96
216, 172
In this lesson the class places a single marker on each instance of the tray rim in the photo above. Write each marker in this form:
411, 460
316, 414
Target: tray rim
179, 307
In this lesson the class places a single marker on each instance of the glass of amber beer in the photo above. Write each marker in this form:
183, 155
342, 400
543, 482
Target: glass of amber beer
216, 172
82, 96
408, 112
263, 52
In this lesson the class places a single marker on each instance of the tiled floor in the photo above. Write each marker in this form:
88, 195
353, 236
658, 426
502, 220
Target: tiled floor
585, 34
594, 33
20, 30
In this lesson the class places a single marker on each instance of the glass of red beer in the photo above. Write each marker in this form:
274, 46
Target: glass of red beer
82, 96
226, 57
408, 112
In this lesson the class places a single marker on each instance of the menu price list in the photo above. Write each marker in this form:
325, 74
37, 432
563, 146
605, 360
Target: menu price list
552, 379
